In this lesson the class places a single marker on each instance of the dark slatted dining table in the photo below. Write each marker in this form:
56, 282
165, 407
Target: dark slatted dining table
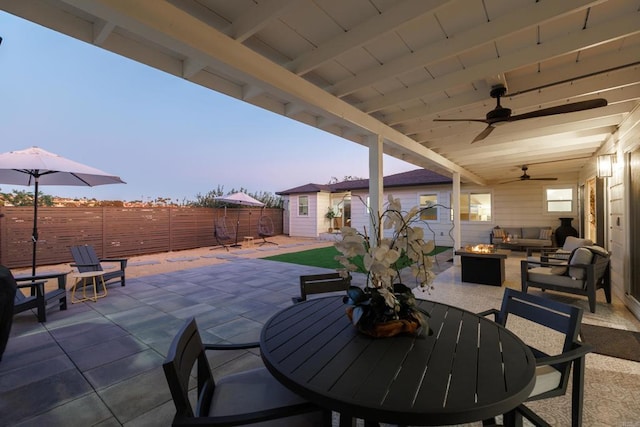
468, 370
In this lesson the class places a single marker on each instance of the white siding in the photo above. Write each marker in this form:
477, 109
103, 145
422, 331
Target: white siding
622, 142
303, 226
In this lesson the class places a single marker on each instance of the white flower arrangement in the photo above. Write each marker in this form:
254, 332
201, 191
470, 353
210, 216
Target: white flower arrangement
383, 262
385, 298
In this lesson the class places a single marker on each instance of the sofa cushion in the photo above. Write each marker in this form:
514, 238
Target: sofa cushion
547, 378
572, 243
559, 270
544, 275
579, 256
534, 242
530, 232
545, 234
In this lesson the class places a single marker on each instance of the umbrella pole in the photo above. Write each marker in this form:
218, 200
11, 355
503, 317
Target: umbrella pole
34, 234
236, 245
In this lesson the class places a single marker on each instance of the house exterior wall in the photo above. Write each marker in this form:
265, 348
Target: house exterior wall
516, 204
323, 204
624, 141
314, 223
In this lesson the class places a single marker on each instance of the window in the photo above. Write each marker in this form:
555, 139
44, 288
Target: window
303, 205
558, 200
474, 207
426, 202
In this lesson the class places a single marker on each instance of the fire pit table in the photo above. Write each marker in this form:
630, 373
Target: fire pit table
483, 264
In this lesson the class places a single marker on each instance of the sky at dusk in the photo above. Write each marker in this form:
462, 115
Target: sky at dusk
164, 136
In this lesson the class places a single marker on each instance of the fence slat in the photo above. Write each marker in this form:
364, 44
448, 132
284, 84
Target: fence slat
116, 232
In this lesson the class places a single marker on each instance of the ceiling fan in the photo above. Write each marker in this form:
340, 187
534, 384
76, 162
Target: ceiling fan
526, 177
502, 114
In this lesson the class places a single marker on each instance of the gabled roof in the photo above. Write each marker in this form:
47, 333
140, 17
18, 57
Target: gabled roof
418, 177
307, 188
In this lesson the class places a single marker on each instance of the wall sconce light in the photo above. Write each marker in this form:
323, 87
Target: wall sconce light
605, 165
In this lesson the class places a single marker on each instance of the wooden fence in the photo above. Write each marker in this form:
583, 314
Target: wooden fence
117, 232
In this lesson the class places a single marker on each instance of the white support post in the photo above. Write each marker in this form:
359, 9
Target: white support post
457, 231
376, 184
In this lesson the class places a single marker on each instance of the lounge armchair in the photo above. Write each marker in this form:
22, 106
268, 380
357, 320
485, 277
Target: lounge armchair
586, 271
552, 371
248, 397
85, 259
13, 301
321, 283
558, 253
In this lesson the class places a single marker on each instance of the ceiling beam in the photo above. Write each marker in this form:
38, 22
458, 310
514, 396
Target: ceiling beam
259, 16
573, 41
604, 82
368, 31
525, 17
614, 88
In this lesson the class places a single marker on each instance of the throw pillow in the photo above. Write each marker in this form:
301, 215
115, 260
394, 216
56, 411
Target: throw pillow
545, 234
579, 256
598, 250
559, 271
572, 243
498, 232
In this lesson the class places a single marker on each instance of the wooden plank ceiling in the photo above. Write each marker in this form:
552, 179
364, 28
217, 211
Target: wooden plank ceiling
357, 68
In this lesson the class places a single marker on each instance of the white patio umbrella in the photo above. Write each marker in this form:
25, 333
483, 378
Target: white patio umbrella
239, 198
35, 166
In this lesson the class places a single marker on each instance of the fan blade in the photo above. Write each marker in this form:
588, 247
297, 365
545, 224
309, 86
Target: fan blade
460, 120
482, 135
562, 109
543, 179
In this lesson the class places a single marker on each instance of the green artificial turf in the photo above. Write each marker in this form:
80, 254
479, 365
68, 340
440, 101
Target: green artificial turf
324, 257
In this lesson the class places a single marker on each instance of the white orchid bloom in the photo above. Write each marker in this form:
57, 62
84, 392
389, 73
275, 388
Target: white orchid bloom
389, 298
386, 255
411, 214
351, 245
348, 231
402, 240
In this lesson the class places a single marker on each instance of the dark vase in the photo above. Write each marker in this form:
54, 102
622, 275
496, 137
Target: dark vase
565, 230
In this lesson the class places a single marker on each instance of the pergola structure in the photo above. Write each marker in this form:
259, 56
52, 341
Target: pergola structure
378, 72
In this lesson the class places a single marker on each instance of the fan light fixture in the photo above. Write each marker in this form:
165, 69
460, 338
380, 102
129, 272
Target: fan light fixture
604, 164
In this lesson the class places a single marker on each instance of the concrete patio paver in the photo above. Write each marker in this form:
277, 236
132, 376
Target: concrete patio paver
100, 363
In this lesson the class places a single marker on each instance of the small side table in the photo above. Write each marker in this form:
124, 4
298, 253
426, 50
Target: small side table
248, 240
88, 278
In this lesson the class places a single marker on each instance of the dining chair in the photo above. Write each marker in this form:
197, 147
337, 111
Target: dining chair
552, 371
243, 398
321, 283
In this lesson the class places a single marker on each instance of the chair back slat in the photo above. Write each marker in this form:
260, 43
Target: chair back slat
86, 259
185, 351
563, 318
321, 283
